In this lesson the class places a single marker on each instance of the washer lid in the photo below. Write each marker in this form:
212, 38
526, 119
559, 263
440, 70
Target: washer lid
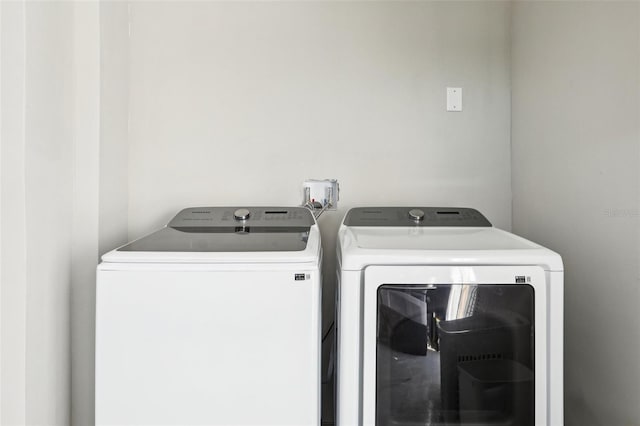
230, 230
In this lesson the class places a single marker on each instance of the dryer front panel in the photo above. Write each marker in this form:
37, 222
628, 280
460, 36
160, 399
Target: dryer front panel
454, 345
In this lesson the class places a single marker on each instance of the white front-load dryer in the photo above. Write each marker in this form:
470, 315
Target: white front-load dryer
212, 320
443, 319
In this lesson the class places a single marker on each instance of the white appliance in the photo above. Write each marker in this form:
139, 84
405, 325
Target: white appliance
212, 320
444, 319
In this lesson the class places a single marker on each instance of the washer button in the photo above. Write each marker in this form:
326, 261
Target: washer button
241, 214
416, 215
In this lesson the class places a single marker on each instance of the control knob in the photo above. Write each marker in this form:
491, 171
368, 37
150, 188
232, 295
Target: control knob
416, 215
241, 214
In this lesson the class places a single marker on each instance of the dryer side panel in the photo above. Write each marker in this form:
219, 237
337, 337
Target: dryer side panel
349, 349
556, 341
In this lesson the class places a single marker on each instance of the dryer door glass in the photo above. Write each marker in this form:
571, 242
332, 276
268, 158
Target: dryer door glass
455, 354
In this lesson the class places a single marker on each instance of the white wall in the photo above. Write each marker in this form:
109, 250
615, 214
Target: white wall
63, 197
100, 213
86, 206
37, 152
238, 103
576, 146
114, 124
12, 216
105, 136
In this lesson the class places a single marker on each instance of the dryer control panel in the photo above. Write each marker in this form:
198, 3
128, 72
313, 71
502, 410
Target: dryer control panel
415, 216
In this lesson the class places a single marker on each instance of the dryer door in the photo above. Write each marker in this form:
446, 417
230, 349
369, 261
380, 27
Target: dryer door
454, 345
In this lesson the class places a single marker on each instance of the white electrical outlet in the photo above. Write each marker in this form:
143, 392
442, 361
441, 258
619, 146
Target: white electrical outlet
321, 192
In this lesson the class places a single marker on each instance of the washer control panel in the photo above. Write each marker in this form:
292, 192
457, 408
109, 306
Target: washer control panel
415, 216
250, 217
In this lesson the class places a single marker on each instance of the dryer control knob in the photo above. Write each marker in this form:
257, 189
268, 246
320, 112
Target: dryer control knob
241, 214
416, 215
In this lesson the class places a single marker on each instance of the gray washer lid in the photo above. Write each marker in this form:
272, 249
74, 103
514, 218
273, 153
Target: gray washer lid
217, 229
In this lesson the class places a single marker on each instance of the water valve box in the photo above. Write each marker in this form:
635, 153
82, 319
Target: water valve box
321, 192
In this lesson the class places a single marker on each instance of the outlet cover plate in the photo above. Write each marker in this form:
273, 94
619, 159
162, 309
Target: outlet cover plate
454, 99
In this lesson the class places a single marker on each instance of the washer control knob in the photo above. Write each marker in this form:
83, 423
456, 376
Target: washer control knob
241, 214
416, 215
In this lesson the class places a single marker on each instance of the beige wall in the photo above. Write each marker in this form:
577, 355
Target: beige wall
575, 147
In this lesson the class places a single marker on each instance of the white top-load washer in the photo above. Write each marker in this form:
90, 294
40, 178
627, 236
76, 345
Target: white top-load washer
444, 319
212, 320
